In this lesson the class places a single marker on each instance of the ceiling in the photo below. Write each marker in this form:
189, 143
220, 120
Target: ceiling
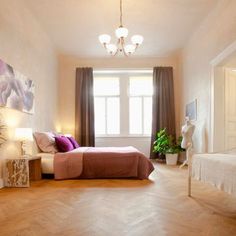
74, 25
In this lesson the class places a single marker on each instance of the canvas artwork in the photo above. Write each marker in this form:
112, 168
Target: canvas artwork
191, 110
16, 90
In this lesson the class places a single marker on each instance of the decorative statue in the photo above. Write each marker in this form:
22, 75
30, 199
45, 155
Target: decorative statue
187, 142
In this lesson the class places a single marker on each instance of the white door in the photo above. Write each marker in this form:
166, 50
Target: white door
230, 109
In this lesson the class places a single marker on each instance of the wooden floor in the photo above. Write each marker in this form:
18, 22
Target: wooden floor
158, 206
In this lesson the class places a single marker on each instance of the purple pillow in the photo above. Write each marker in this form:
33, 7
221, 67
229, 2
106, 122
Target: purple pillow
73, 141
63, 144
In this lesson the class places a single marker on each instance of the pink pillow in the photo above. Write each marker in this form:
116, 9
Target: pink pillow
73, 141
63, 144
45, 142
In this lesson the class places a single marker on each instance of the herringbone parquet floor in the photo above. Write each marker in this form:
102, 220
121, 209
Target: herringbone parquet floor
154, 207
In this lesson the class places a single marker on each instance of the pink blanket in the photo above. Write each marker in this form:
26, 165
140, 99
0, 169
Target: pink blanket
102, 162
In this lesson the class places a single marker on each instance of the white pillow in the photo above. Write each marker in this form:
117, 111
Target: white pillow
46, 141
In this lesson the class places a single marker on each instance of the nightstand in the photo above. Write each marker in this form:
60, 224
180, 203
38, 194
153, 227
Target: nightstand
20, 171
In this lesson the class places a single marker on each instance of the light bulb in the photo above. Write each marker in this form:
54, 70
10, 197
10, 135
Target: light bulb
129, 49
104, 38
121, 32
137, 39
111, 48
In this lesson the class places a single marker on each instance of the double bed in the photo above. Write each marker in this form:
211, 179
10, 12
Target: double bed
97, 162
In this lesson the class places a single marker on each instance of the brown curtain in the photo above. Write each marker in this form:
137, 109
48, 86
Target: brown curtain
163, 107
84, 107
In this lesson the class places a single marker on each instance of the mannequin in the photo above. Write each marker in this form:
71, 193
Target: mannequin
187, 142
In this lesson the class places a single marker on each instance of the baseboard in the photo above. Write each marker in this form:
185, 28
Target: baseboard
1, 183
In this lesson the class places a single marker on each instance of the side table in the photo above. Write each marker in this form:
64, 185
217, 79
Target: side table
20, 171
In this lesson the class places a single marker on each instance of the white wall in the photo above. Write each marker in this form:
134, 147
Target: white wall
25, 46
216, 32
142, 143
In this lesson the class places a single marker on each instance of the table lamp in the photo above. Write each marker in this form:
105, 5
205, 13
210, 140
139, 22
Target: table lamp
23, 135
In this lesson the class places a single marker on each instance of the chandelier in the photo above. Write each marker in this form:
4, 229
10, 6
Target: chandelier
121, 34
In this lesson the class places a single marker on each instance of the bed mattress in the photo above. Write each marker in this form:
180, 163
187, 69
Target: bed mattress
218, 169
46, 162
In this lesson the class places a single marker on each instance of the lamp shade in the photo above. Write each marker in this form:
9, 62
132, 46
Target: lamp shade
137, 39
129, 49
22, 134
111, 48
104, 38
122, 32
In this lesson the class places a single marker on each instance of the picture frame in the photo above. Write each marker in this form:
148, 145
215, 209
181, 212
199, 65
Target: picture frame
17, 91
191, 110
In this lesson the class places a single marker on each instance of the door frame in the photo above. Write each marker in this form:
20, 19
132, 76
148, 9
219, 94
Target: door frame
217, 72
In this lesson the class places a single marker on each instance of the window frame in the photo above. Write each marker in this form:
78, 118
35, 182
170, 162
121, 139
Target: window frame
106, 97
124, 83
142, 108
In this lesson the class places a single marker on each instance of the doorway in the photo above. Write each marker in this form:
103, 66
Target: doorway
223, 101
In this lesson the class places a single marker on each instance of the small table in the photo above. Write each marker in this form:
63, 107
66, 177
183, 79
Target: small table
20, 171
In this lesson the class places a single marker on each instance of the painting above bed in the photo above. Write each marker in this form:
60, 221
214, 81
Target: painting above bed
16, 90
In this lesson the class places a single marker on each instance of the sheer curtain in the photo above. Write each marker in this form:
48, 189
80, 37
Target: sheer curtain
84, 107
163, 108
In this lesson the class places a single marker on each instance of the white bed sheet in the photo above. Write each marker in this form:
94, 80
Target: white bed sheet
217, 169
47, 162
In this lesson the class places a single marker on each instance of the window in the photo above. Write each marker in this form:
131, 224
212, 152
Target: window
140, 105
123, 103
107, 105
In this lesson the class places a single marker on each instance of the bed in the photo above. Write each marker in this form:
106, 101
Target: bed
97, 162
46, 162
218, 169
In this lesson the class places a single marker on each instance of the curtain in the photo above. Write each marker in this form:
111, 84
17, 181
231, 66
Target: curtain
84, 107
163, 108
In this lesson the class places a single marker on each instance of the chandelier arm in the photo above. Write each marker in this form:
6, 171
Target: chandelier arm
118, 48
116, 52
122, 46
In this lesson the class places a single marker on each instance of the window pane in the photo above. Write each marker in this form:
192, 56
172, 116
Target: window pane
147, 109
100, 118
140, 86
113, 115
106, 86
135, 115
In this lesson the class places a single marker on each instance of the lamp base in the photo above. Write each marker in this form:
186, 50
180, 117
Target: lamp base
26, 148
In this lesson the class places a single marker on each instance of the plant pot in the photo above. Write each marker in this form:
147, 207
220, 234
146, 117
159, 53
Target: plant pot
171, 159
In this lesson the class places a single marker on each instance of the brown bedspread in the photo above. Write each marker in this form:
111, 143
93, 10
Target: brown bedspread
102, 162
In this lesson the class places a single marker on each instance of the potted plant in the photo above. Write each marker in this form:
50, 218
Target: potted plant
166, 145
